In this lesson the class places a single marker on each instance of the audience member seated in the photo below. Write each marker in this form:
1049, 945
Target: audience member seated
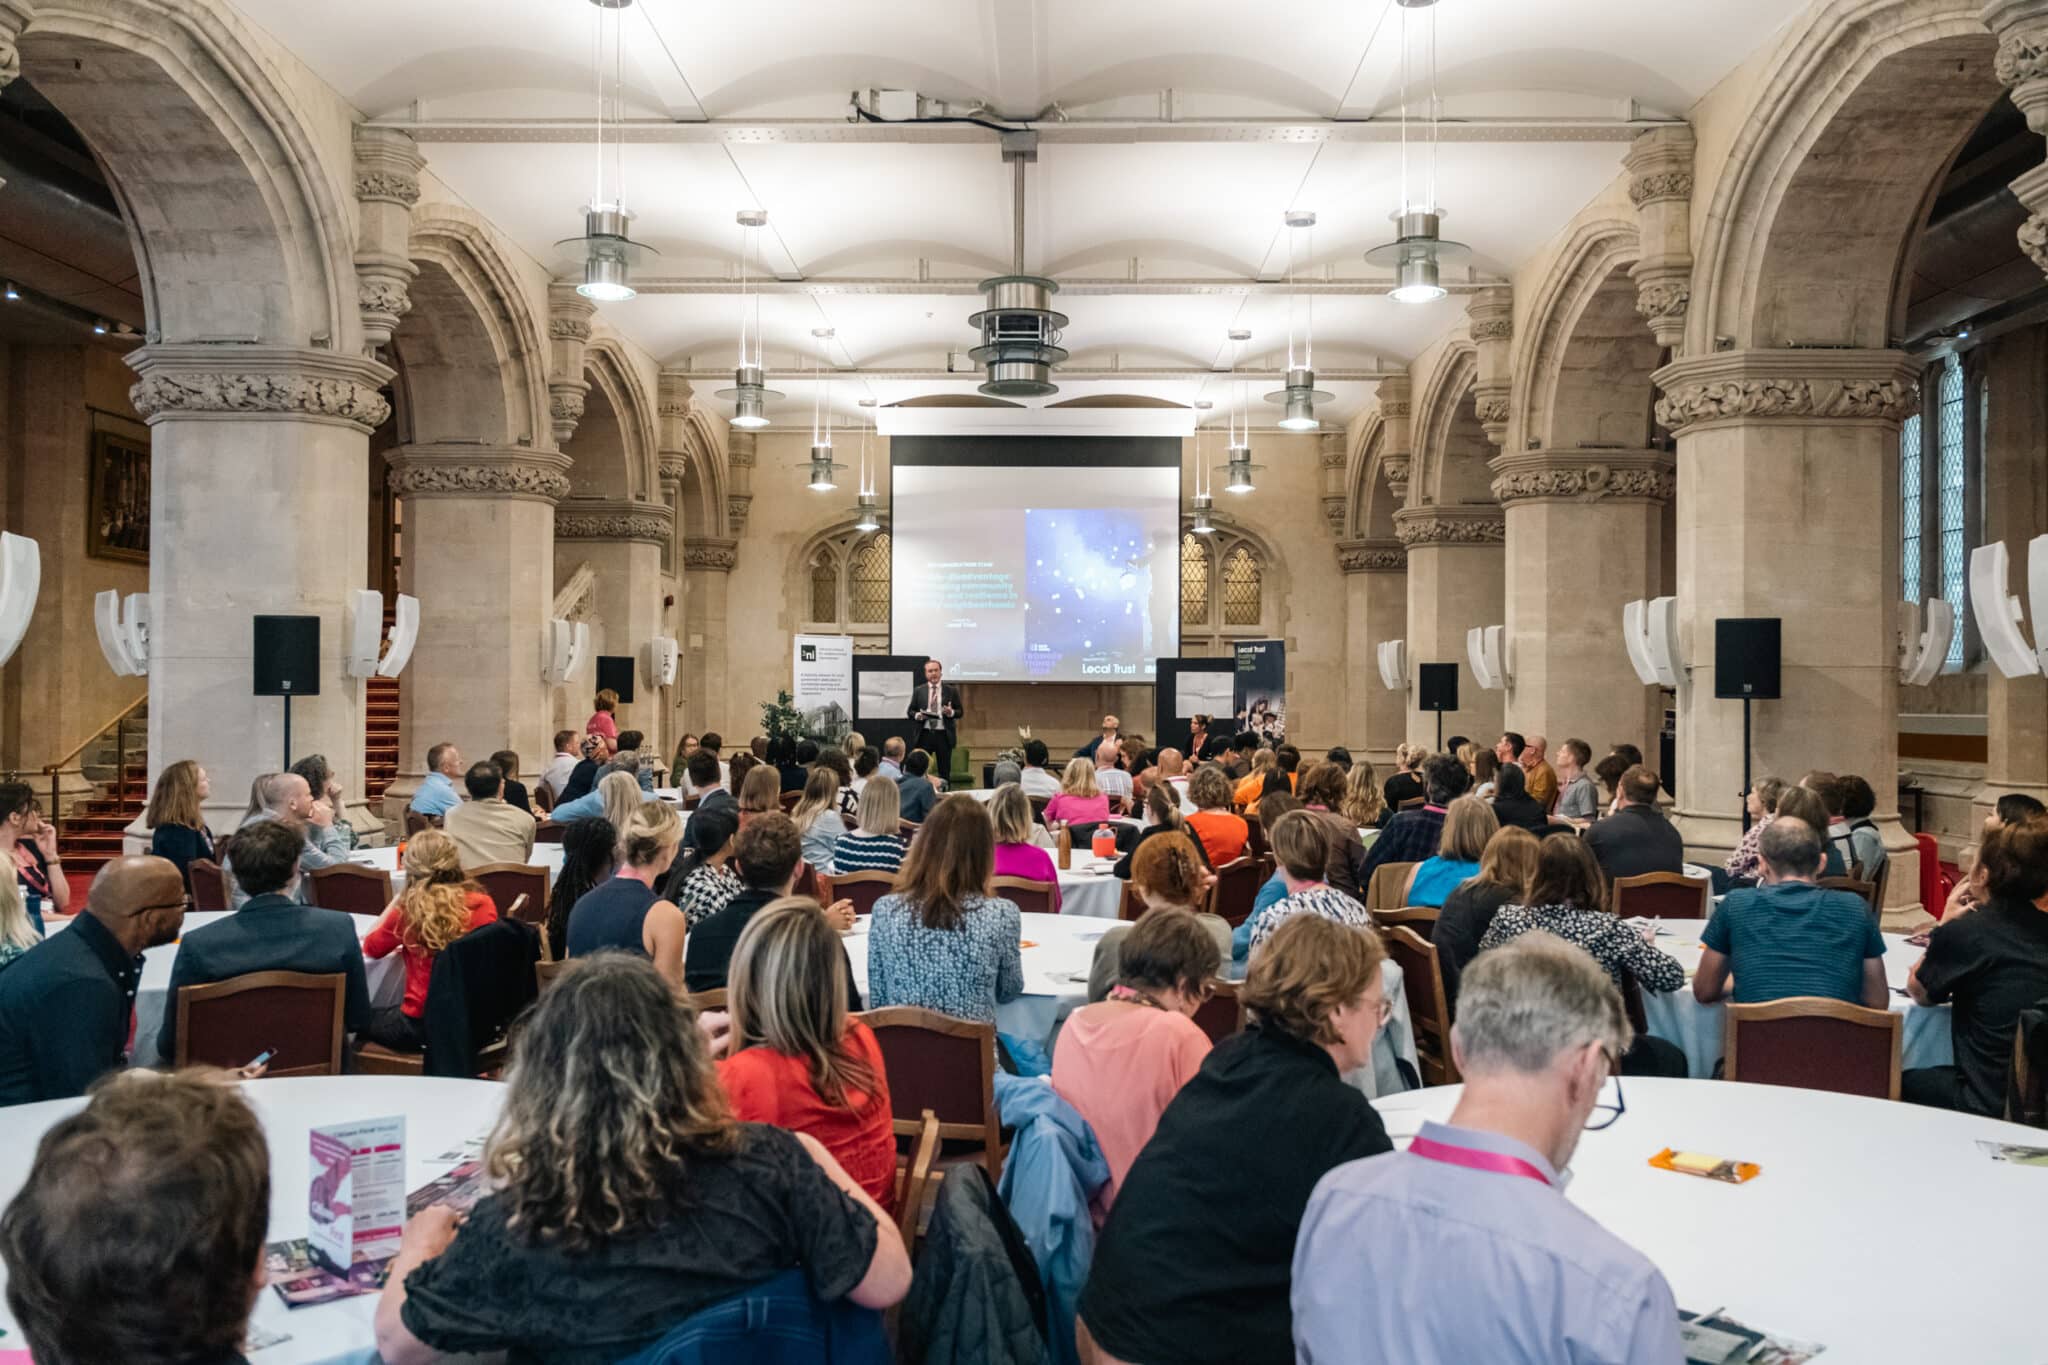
602, 720
1237, 757
1193, 1263
1121, 1062
272, 932
768, 853
796, 1059
177, 824
285, 799
1253, 784
583, 777
1287, 759
916, 792
1321, 789
892, 759
555, 777
1745, 863
1364, 807
1406, 783
1412, 835
616, 1138
1036, 780
1167, 874
30, 842
1536, 1277
66, 1004
866, 764
1113, 781
1637, 838
1789, 937
1578, 800
438, 905
487, 828
1172, 768
631, 758
940, 941
1222, 833
702, 778
515, 790
1609, 770
138, 1235
1274, 887
817, 815
614, 797
876, 843
1805, 805
1108, 735
1486, 771
1828, 788
1273, 782
1992, 963
1512, 805
1080, 800
2011, 808
1569, 896
1162, 816
18, 933
1539, 779
590, 851
782, 758
1505, 867
1865, 843
1301, 851
1018, 852
325, 786
703, 881
625, 911
1468, 825
437, 795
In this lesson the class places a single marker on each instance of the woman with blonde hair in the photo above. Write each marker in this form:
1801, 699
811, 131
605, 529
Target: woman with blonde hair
1018, 852
1505, 867
1406, 783
1080, 800
940, 940
760, 793
1264, 760
438, 905
17, 934
1468, 824
1363, 804
620, 1178
626, 912
797, 1059
177, 824
817, 815
876, 843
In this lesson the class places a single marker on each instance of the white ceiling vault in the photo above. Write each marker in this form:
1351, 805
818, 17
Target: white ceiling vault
1174, 134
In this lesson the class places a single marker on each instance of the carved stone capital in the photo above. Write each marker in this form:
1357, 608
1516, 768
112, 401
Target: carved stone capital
1372, 556
2021, 64
737, 506
2033, 239
1584, 476
1330, 450
1397, 465
235, 381
14, 17
392, 187
739, 448
613, 519
712, 554
674, 465
1333, 513
1663, 301
567, 328
1802, 385
1394, 408
1493, 329
383, 295
1665, 184
565, 406
453, 470
1494, 408
1456, 525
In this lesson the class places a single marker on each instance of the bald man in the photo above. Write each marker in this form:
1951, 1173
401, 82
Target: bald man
66, 1003
1540, 779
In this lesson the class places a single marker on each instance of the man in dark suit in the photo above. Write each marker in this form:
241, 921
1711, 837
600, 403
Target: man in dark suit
1636, 838
270, 933
935, 707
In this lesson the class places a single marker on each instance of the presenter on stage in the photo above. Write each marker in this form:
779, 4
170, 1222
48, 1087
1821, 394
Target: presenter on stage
935, 708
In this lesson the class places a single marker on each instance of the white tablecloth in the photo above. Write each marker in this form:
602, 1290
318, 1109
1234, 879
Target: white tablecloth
548, 856
1679, 1018
1057, 954
1822, 1245
439, 1115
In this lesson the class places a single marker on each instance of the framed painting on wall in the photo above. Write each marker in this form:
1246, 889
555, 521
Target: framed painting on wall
117, 504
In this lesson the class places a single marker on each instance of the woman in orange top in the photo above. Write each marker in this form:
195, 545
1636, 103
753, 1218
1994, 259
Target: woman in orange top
1263, 762
799, 1061
1223, 834
439, 905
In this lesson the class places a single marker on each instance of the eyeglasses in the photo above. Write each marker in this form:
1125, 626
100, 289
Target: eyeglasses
1386, 1011
185, 904
1604, 1115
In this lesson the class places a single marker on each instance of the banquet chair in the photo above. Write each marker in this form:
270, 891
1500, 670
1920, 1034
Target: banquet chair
813, 883
298, 1014
481, 983
2026, 1086
1236, 889
1816, 1044
692, 802
914, 1180
1428, 1011
1421, 917
946, 1065
1255, 839
1669, 895
1412, 803
209, 886
702, 1001
504, 883
543, 799
1129, 903
1038, 805
790, 801
415, 822
863, 889
548, 832
1031, 897
345, 886
1870, 891
1389, 886
545, 973
1222, 1014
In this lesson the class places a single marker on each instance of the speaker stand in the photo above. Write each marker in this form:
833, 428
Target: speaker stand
287, 764
1439, 732
1745, 765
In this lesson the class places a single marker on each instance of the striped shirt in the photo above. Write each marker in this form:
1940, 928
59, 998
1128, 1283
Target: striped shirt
869, 853
1319, 899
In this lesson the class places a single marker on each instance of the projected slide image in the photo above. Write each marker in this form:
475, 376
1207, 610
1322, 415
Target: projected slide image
1088, 590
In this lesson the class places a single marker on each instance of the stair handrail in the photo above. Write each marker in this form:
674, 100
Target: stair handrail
56, 770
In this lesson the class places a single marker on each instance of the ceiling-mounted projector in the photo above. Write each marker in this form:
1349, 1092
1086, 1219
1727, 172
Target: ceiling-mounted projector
1019, 336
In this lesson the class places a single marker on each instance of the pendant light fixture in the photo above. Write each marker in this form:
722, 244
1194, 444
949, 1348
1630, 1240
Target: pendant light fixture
1237, 455
1204, 500
1298, 400
748, 394
604, 252
867, 517
823, 472
1020, 329
1418, 251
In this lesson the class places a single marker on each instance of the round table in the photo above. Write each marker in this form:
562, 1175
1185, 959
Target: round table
1698, 1029
1823, 1245
440, 1115
1059, 950
386, 860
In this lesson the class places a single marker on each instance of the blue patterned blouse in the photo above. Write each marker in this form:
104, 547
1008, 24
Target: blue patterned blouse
965, 972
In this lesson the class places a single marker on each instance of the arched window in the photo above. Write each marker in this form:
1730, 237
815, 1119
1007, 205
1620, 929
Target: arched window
1194, 582
1223, 591
825, 584
868, 594
1241, 581
843, 587
1941, 463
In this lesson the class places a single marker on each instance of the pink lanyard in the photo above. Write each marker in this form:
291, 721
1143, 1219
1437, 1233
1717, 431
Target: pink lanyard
1499, 1163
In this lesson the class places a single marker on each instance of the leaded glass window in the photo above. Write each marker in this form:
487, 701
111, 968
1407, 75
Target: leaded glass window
1910, 511
1950, 466
1241, 583
1194, 581
868, 588
824, 587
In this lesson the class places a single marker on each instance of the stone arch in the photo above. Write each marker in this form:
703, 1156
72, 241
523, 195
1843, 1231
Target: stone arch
242, 227
469, 351
1809, 230
1451, 449
600, 464
840, 553
1358, 468
1275, 584
1586, 357
704, 478
611, 373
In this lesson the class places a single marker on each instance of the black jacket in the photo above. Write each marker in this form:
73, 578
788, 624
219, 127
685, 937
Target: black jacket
1524, 810
481, 983
272, 933
949, 695
1635, 840
976, 1298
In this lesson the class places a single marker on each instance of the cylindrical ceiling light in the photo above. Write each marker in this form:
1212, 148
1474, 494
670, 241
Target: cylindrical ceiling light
867, 518
1299, 398
749, 392
822, 476
1203, 502
604, 253
1418, 252
1237, 453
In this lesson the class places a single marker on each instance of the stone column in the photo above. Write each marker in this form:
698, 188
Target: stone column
2015, 511
2021, 27
621, 540
1584, 531
1659, 165
1376, 610
672, 410
569, 315
1455, 582
256, 508
739, 487
707, 563
1397, 450
1788, 506
478, 553
1330, 456
387, 185
1491, 319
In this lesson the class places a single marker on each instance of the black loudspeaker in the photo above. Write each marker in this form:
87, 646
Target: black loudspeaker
287, 651
1746, 657
616, 672
1437, 687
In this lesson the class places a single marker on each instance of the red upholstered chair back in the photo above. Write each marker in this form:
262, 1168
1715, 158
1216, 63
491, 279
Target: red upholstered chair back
809, 883
358, 890
415, 822
1815, 1044
504, 883
863, 889
1255, 837
209, 886
946, 1065
1662, 894
1222, 1014
228, 1023
1031, 897
790, 801
1428, 1013
1237, 887
548, 832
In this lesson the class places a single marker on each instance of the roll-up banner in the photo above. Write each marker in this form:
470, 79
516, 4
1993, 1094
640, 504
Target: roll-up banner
1259, 698
821, 685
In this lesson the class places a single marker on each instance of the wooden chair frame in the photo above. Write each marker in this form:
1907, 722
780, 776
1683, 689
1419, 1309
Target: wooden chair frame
989, 1132
546, 970
1429, 1013
1042, 890
343, 872
1411, 915
1130, 904
334, 983
208, 873
415, 822
1219, 989
1701, 886
1237, 866
1869, 891
536, 912
885, 880
706, 1000
1891, 1022
916, 1175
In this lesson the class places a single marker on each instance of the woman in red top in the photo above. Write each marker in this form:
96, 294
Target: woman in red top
439, 905
602, 721
797, 1060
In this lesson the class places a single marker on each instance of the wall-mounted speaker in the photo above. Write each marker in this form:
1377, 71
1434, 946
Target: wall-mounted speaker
405, 633
1393, 661
287, 653
21, 578
363, 632
124, 638
1746, 657
1436, 687
662, 658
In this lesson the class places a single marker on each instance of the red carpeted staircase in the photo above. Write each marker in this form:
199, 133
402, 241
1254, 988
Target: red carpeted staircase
380, 736
91, 832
